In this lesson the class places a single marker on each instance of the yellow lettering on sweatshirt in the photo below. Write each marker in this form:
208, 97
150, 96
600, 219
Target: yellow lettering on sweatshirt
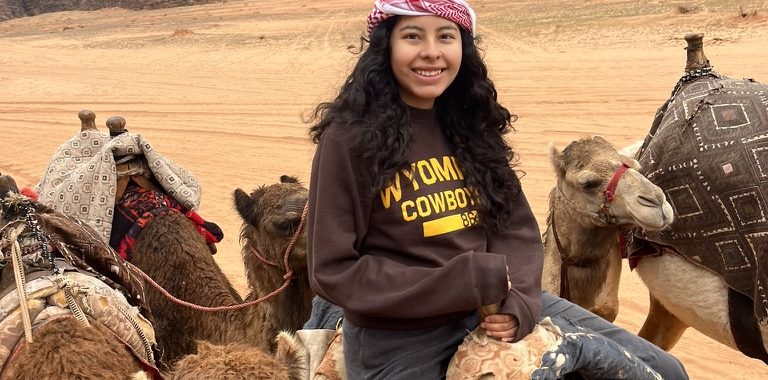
392, 191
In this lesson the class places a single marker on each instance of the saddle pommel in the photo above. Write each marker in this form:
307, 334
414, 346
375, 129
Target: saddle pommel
87, 120
696, 59
116, 125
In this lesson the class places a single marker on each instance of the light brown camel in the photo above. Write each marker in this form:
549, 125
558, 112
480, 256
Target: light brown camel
682, 293
62, 347
583, 228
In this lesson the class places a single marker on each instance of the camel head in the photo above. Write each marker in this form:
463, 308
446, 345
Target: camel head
271, 214
586, 168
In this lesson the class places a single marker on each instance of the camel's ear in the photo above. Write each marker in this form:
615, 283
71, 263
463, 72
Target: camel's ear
291, 351
246, 207
7, 185
554, 158
288, 179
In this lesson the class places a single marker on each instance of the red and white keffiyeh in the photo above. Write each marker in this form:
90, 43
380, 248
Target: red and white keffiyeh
457, 11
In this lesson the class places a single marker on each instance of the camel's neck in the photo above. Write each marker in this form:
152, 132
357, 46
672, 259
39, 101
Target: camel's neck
580, 238
291, 306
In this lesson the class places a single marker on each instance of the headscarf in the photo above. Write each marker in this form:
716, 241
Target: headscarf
457, 11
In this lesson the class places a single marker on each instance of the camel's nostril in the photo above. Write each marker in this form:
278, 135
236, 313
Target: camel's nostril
648, 201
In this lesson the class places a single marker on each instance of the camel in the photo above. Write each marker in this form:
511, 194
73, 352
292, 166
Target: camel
61, 345
172, 252
583, 228
271, 214
175, 255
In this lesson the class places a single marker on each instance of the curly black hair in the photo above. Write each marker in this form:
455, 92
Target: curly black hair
468, 112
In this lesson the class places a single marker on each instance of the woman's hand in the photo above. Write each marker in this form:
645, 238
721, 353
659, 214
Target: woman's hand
501, 326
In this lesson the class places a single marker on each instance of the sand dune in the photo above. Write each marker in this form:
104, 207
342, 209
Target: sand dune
221, 89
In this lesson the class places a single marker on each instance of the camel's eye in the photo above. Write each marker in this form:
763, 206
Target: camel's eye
591, 185
286, 226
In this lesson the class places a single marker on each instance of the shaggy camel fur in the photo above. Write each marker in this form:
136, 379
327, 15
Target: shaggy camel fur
241, 361
697, 297
65, 349
270, 216
176, 256
585, 236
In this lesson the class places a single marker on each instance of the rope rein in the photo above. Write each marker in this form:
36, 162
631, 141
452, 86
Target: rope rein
286, 277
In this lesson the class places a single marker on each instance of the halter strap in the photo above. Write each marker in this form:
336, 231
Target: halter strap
610, 191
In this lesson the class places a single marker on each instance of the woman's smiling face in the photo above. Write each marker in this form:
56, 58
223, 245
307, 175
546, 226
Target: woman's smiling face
426, 56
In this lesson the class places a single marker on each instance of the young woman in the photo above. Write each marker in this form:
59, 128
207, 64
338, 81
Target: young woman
416, 217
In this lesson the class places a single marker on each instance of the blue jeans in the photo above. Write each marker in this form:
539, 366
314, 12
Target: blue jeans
425, 354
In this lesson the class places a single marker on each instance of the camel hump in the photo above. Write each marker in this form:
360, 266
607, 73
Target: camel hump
116, 125
87, 120
696, 59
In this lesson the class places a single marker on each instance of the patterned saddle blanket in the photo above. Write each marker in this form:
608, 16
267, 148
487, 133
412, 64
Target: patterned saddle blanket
69, 270
52, 296
82, 177
708, 150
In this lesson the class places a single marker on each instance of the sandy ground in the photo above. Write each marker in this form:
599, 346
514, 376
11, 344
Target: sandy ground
221, 89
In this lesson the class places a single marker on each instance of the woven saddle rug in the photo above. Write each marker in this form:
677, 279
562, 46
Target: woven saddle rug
708, 150
81, 178
51, 297
44, 235
69, 270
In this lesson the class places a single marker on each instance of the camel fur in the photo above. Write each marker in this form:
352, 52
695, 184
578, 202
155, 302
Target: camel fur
682, 293
65, 349
241, 361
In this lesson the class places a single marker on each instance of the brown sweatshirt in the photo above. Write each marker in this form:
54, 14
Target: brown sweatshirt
412, 255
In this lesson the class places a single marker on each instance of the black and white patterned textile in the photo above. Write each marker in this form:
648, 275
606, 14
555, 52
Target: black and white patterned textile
81, 178
708, 150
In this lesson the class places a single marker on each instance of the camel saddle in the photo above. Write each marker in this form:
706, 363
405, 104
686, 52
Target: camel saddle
708, 150
90, 171
66, 270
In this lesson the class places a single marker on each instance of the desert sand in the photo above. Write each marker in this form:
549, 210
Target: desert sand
222, 89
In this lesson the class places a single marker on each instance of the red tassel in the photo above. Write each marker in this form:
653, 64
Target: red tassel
29, 193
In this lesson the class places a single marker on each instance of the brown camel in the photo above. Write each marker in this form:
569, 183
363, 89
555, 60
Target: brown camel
270, 216
175, 255
171, 251
65, 349
684, 291
62, 346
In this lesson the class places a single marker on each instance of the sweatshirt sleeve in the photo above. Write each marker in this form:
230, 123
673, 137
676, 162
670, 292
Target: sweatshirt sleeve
373, 284
522, 246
